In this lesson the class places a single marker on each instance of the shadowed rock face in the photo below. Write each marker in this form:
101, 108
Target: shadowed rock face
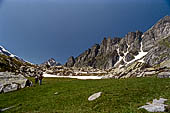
71, 62
122, 51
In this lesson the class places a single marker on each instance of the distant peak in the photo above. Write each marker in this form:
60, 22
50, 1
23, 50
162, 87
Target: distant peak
51, 62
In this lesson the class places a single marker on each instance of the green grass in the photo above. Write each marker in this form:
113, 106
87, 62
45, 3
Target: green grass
119, 96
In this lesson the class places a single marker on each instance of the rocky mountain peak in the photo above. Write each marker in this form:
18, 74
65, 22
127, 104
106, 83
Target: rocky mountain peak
7, 53
51, 62
4, 51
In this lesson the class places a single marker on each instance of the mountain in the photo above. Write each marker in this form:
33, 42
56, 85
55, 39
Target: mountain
10, 62
7, 53
150, 48
51, 62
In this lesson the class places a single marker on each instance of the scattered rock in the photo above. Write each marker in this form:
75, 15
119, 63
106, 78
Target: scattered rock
56, 93
155, 106
164, 75
94, 96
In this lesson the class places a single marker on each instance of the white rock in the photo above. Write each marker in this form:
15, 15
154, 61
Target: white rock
10, 87
56, 93
155, 106
94, 96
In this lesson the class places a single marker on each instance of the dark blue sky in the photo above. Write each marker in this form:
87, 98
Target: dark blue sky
37, 30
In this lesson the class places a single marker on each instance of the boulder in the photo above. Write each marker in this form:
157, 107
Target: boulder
11, 82
164, 75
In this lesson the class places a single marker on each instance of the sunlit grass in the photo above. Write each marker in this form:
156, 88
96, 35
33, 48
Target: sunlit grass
119, 96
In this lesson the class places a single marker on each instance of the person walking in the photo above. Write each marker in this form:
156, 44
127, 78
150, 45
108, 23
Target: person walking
40, 79
36, 79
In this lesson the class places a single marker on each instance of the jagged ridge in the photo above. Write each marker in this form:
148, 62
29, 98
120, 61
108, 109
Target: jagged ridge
151, 47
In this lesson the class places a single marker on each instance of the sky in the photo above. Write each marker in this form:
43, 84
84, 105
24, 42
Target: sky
37, 30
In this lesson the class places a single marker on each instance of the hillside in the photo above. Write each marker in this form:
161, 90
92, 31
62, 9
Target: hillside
11, 64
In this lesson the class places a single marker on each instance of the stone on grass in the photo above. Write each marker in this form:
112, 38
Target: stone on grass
56, 93
5, 109
94, 96
155, 106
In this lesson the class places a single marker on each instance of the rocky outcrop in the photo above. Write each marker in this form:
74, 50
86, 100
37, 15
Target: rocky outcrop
151, 48
70, 62
10, 82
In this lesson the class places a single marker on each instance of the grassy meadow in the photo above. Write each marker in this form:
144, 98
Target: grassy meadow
119, 96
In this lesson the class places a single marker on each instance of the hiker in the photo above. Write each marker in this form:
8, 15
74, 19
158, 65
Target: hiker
40, 78
36, 79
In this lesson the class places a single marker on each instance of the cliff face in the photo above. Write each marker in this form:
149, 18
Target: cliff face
157, 42
151, 47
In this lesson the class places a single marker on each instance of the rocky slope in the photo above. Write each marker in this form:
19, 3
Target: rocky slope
151, 48
13, 71
12, 63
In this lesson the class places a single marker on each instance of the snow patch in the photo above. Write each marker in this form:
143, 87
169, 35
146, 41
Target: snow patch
139, 56
80, 72
76, 77
122, 58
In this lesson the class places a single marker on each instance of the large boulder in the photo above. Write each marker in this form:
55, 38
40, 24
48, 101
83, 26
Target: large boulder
11, 82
